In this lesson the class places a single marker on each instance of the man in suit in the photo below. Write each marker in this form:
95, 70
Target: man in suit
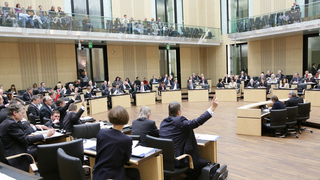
4, 110
251, 84
296, 79
14, 138
72, 117
294, 100
279, 76
144, 126
143, 87
191, 85
54, 120
314, 69
104, 86
169, 82
175, 85
34, 107
46, 110
116, 90
27, 95
62, 107
137, 81
125, 86
268, 75
154, 80
203, 81
276, 103
42, 88
295, 6
165, 78
53, 96
93, 88
226, 79
180, 130
241, 76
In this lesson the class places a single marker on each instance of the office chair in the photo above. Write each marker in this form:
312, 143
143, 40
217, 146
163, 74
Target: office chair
221, 173
134, 137
278, 118
86, 131
70, 168
292, 120
303, 115
21, 92
4, 158
45, 120
47, 157
32, 119
301, 89
169, 158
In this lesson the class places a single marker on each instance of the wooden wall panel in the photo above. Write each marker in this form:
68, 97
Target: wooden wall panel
141, 62
129, 62
138, 9
46, 4
262, 6
153, 65
279, 54
66, 62
49, 64
266, 55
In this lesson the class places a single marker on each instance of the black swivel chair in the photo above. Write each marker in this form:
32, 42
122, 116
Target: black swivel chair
86, 131
221, 173
292, 120
47, 157
33, 120
277, 121
301, 89
70, 168
169, 158
135, 137
303, 115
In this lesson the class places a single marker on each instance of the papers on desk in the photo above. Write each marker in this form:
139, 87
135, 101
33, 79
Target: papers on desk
89, 143
141, 151
56, 134
109, 126
206, 137
134, 143
6, 177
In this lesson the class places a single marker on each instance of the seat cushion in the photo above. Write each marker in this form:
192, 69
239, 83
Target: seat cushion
176, 172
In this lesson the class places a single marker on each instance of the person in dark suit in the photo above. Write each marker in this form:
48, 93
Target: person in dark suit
144, 126
46, 110
27, 95
88, 94
294, 100
14, 138
169, 82
62, 107
114, 149
276, 103
295, 6
154, 80
226, 79
220, 85
175, 85
262, 83
137, 81
203, 81
241, 76
191, 85
143, 87
104, 86
314, 69
71, 89
53, 96
34, 107
251, 84
42, 88
180, 130
125, 86
72, 117
165, 78
279, 76
116, 90
296, 79
4, 110
54, 120
162, 87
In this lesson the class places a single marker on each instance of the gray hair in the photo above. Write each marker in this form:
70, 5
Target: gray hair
145, 111
34, 97
293, 93
14, 107
251, 80
174, 107
45, 98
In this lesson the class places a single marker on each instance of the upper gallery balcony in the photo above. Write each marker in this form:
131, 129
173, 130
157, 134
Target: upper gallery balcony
279, 23
27, 23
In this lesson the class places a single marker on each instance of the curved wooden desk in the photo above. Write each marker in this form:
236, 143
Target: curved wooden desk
121, 100
198, 95
227, 95
145, 98
282, 93
249, 118
313, 96
170, 95
255, 94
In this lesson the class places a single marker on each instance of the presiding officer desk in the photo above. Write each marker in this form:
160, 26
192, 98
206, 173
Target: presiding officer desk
198, 95
249, 118
227, 94
255, 94
121, 100
282, 93
313, 96
170, 95
145, 98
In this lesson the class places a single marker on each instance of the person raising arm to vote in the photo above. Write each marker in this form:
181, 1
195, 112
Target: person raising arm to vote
180, 130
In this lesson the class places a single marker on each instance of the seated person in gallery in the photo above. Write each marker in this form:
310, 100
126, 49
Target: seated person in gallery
285, 83
191, 85
251, 84
175, 85
220, 85
296, 79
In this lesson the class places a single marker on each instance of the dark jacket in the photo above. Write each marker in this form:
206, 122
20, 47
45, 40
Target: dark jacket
16, 141
178, 86
63, 111
145, 87
180, 130
278, 105
3, 114
191, 87
143, 127
26, 96
113, 151
71, 119
34, 110
294, 101
45, 111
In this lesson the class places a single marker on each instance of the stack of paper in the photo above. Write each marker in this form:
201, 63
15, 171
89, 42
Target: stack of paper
141, 151
88, 143
207, 137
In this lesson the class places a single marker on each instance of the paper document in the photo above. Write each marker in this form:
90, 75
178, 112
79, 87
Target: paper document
88, 143
56, 134
141, 151
85, 118
4, 176
134, 143
207, 137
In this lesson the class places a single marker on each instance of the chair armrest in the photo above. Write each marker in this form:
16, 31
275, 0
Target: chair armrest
190, 159
86, 166
33, 166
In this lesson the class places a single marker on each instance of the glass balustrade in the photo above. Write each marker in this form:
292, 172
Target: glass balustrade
53, 20
292, 15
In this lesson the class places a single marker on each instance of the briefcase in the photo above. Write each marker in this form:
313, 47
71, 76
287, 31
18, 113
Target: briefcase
207, 173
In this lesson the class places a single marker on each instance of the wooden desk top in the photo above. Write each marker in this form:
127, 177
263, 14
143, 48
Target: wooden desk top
145, 92
197, 89
16, 173
114, 95
258, 104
